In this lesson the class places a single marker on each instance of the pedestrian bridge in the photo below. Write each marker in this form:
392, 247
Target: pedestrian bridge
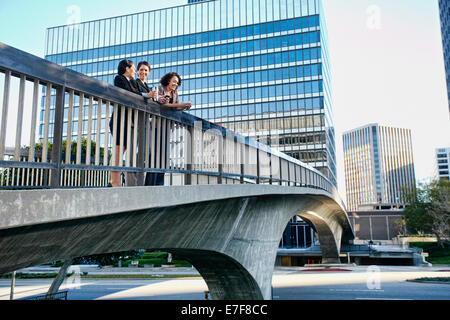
224, 206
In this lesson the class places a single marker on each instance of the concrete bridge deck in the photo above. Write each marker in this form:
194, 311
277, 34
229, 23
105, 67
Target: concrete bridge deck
230, 233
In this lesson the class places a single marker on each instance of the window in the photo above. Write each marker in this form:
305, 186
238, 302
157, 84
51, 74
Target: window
263, 44
243, 31
257, 45
292, 73
277, 58
276, 26
249, 31
223, 49
250, 62
285, 73
290, 23
307, 70
256, 29
300, 88
306, 54
305, 22
258, 93
271, 75
292, 88
251, 77
314, 53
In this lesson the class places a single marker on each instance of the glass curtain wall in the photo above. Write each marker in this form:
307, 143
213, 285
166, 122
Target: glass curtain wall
259, 68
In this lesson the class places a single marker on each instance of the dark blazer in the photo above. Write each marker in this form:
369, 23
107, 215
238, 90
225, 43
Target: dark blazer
142, 87
129, 85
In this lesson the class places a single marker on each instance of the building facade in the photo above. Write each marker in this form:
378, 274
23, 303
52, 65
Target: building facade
444, 11
378, 164
257, 67
379, 224
442, 158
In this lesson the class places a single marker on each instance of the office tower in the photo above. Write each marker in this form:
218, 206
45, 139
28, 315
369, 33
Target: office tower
257, 67
444, 10
442, 163
378, 165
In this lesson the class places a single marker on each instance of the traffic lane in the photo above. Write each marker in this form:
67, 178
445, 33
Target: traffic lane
362, 283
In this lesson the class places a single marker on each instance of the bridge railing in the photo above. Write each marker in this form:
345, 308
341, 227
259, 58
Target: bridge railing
76, 148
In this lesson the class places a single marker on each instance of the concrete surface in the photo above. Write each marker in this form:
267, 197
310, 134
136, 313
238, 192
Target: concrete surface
289, 283
230, 233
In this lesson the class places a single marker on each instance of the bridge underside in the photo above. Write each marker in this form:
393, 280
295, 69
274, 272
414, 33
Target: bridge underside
231, 240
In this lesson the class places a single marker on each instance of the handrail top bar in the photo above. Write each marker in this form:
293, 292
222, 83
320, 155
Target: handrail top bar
50, 72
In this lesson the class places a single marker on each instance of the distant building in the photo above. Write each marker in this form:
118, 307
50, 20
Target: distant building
378, 163
444, 8
382, 223
442, 163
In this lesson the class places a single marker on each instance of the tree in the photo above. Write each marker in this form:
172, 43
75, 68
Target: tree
440, 210
428, 210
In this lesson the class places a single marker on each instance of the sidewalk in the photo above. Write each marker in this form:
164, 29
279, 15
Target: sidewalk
97, 270
94, 270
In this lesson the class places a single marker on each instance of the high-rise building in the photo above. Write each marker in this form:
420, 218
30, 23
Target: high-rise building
444, 10
257, 67
379, 167
442, 163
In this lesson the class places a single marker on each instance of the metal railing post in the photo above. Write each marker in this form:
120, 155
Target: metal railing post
258, 168
220, 160
57, 137
141, 131
4, 113
189, 143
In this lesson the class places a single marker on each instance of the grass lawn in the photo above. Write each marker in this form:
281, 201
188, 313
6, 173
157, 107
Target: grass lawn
437, 255
156, 259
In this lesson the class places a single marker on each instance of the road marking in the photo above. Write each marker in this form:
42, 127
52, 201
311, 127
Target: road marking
381, 299
358, 290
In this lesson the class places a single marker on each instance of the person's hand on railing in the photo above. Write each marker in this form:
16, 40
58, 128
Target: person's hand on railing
187, 105
183, 106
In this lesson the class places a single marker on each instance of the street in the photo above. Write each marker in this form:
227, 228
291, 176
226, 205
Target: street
289, 283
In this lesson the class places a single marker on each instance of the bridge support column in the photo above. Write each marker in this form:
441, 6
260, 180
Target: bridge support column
232, 241
59, 277
329, 236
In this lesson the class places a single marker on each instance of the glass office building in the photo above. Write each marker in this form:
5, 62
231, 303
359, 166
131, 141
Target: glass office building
257, 67
444, 10
379, 166
442, 164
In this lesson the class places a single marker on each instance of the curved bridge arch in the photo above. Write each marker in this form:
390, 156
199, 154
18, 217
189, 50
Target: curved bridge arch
237, 226
329, 241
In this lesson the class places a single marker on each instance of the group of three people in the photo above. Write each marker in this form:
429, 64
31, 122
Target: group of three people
166, 94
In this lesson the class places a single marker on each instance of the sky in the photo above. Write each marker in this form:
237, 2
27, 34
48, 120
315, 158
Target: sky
386, 61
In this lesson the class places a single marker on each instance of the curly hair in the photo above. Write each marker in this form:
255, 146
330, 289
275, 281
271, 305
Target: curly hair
166, 78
